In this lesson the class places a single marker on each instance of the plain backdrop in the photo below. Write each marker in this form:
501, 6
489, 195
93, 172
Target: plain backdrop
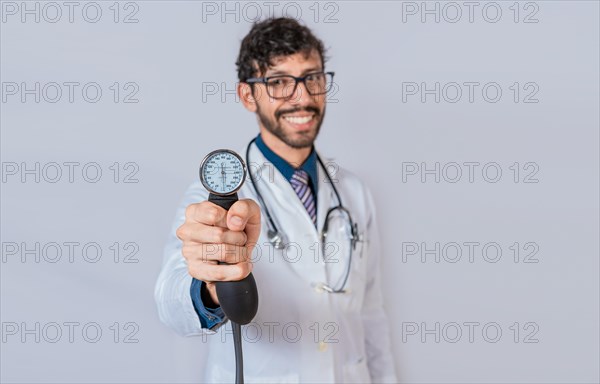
508, 251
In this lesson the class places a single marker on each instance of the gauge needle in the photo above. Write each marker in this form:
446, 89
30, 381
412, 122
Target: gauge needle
223, 174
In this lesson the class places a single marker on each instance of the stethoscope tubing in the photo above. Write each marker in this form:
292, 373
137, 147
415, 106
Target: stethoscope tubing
275, 230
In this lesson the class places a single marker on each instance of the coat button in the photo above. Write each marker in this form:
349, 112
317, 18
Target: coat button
322, 346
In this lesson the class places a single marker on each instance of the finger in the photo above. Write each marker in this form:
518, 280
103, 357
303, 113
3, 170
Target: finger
245, 215
220, 272
206, 213
212, 290
227, 253
203, 233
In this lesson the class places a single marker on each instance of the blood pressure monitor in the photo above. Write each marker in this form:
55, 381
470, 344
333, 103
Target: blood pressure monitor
222, 172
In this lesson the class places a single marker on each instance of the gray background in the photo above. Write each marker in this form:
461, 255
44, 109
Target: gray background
175, 51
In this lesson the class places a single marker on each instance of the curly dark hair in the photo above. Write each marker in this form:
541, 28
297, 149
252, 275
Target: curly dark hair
272, 38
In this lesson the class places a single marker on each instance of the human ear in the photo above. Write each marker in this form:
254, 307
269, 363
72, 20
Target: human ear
246, 95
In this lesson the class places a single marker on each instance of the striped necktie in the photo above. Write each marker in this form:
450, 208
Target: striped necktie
302, 188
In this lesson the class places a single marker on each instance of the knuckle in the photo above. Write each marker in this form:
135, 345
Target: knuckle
195, 271
229, 237
241, 238
242, 270
243, 209
218, 274
189, 210
250, 247
218, 235
186, 251
253, 204
209, 212
212, 214
241, 255
181, 232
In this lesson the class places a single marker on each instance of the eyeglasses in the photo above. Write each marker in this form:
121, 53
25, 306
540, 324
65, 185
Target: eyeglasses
284, 86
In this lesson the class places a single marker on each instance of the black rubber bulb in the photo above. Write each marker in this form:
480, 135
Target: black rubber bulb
238, 299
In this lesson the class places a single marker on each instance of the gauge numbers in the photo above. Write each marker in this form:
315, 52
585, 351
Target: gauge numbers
222, 172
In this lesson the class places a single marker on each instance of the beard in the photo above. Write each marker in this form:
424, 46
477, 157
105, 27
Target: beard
305, 140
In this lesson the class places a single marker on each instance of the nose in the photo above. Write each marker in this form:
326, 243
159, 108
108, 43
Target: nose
300, 95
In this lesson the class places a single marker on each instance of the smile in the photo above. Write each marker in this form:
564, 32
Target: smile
299, 119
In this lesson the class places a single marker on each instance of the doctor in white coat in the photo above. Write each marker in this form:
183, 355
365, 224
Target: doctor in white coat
303, 332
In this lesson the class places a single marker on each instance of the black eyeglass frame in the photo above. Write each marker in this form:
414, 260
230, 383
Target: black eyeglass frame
264, 80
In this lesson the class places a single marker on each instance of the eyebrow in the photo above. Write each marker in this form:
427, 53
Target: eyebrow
277, 73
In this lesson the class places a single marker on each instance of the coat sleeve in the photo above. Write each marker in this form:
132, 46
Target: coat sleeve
172, 290
380, 359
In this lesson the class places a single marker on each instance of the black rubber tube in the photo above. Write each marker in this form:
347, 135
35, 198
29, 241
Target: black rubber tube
239, 357
238, 299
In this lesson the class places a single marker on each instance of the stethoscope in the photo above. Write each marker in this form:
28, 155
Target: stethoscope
278, 238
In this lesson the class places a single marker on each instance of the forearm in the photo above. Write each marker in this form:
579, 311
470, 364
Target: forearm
173, 300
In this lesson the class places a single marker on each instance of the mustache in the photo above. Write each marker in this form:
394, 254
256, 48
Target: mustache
309, 108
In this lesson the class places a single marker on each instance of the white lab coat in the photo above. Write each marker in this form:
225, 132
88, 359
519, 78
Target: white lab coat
300, 334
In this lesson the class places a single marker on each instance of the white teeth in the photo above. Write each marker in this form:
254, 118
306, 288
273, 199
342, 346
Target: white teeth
298, 120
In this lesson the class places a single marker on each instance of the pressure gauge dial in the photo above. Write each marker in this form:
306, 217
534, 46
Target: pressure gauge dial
222, 172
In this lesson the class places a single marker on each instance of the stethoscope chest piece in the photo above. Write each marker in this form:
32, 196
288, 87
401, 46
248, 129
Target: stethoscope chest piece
276, 239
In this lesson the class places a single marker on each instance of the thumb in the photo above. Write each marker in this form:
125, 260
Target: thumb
244, 215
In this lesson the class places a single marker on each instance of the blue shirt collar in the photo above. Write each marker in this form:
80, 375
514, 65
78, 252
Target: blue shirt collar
285, 168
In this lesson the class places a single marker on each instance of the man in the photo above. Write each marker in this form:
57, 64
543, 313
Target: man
320, 316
